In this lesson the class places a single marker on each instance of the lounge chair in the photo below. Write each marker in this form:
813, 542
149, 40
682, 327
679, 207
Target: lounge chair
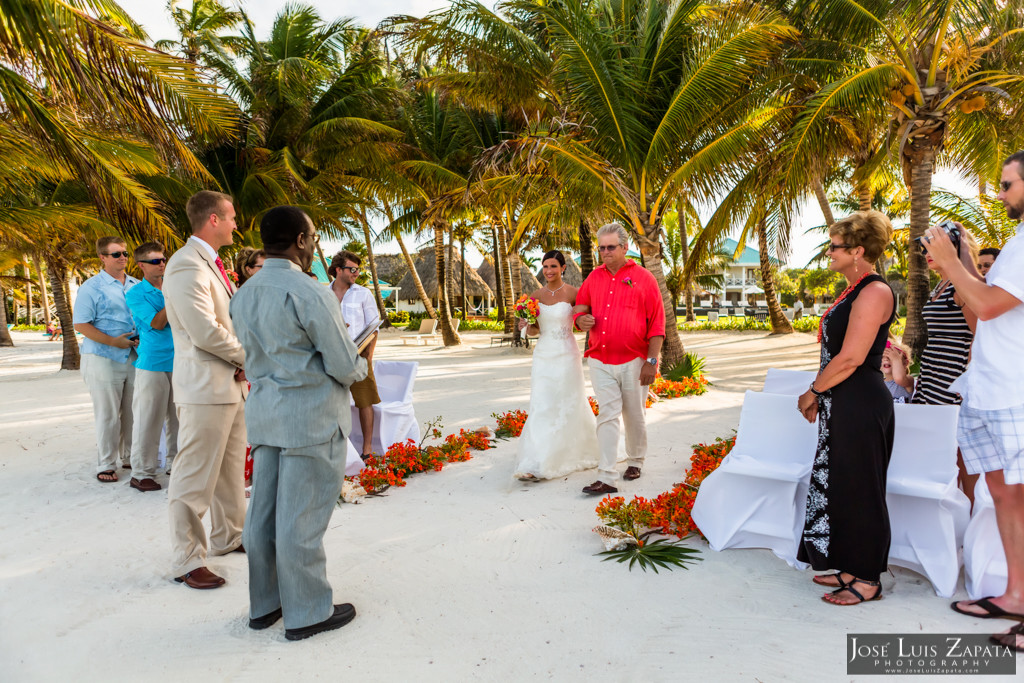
427, 331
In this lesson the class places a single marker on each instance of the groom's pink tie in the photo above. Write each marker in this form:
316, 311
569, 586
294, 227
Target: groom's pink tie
223, 273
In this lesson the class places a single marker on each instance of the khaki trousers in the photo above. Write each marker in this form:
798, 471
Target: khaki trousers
110, 386
207, 475
152, 406
619, 392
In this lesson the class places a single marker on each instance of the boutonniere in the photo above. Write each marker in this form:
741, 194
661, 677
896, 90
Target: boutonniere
234, 277
627, 281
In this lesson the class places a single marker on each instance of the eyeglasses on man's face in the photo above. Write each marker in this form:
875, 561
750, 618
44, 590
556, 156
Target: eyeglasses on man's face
118, 254
608, 247
352, 269
154, 261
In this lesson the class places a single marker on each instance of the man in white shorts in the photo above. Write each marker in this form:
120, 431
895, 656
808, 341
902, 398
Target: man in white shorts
991, 427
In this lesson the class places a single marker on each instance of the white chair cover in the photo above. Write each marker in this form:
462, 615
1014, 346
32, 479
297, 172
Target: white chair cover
353, 461
788, 382
984, 557
928, 513
394, 418
758, 495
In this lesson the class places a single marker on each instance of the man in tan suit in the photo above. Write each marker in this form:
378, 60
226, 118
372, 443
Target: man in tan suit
209, 394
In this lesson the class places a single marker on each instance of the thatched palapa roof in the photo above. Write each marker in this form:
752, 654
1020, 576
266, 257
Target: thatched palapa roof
486, 271
425, 267
391, 268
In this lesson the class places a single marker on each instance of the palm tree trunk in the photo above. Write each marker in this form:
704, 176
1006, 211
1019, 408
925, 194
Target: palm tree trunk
672, 351
26, 273
448, 333
421, 292
505, 273
916, 334
43, 293
863, 196
685, 254
71, 358
586, 248
780, 325
499, 288
5, 334
516, 266
368, 238
462, 275
826, 208
449, 268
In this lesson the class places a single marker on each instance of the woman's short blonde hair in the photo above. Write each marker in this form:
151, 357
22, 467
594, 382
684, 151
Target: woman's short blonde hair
869, 229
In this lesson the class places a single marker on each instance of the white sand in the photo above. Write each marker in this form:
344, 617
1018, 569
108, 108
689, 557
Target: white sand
461, 575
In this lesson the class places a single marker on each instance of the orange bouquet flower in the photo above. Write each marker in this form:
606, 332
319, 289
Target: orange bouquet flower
528, 308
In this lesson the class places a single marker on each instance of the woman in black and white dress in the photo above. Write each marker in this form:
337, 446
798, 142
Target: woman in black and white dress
950, 333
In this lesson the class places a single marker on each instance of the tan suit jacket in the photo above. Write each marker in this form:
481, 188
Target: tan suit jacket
206, 350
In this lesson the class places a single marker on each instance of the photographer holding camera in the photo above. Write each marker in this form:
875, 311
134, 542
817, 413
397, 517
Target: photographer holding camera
990, 431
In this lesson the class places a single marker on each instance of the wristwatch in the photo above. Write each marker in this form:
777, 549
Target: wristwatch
653, 361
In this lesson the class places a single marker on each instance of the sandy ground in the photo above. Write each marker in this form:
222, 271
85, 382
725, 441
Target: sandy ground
462, 575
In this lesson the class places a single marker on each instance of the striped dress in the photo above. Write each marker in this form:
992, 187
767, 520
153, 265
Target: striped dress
945, 355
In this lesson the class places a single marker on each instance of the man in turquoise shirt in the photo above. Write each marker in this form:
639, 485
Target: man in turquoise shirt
153, 404
102, 317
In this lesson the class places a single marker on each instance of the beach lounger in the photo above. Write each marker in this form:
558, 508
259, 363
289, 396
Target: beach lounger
928, 513
757, 496
984, 557
427, 332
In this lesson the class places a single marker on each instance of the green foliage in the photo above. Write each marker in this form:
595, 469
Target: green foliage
692, 365
659, 553
398, 317
821, 282
29, 328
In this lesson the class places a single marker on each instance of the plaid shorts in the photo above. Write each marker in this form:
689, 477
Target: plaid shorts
993, 440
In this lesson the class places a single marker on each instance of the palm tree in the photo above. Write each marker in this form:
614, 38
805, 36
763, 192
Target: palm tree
935, 69
201, 30
631, 83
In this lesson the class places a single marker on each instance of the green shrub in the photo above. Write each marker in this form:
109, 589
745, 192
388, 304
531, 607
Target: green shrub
692, 365
398, 317
29, 328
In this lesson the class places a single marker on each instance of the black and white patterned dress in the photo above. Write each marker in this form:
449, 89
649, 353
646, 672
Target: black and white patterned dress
945, 355
847, 522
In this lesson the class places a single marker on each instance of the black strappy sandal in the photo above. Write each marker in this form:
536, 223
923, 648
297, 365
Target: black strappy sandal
838, 576
856, 593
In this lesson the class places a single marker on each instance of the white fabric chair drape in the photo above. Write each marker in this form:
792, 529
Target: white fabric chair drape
394, 418
984, 557
757, 496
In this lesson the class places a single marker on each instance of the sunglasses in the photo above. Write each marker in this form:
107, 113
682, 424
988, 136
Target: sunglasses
612, 247
832, 247
1005, 184
154, 261
118, 254
351, 269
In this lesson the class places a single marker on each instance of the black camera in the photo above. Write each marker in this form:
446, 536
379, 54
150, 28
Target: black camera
951, 230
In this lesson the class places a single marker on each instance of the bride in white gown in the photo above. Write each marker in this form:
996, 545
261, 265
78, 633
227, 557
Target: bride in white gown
560, 434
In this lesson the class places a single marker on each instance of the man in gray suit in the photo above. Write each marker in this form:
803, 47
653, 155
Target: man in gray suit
300, 362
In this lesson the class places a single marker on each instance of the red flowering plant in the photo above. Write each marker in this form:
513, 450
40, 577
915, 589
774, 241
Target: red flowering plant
593, 404
668, 514
478, 440
510, 423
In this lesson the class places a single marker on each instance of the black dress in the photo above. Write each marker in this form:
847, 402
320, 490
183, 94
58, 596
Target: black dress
847, 522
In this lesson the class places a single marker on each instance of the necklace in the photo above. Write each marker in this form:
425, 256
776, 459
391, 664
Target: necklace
552, 291
821, 322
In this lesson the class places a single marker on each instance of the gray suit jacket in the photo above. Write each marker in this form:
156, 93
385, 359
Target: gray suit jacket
298, 358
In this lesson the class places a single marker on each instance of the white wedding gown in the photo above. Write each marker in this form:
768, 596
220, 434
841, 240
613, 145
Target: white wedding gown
560, 434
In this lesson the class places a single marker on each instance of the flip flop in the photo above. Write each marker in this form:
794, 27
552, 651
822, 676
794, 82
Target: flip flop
111, 477
1009, 639
992, 610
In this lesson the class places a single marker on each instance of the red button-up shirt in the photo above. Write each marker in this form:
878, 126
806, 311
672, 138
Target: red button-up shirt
627, 310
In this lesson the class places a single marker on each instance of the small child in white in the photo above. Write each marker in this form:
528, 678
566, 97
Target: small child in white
896, 370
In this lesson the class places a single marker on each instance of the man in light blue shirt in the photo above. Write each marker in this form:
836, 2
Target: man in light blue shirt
153, 403
301, 364
101, 315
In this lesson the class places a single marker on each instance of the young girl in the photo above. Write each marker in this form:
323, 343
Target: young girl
896, 370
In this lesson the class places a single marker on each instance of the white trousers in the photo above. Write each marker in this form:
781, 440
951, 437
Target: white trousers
619, 392
152, 406
110, 385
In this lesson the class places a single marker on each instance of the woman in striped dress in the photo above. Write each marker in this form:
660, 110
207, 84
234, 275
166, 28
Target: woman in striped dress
950, 333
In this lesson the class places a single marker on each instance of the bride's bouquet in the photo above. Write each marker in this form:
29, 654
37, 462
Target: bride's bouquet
528, 308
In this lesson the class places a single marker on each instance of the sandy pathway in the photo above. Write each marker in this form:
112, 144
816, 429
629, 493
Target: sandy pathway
462, 575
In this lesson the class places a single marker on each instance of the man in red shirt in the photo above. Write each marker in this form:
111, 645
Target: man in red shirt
620, 306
